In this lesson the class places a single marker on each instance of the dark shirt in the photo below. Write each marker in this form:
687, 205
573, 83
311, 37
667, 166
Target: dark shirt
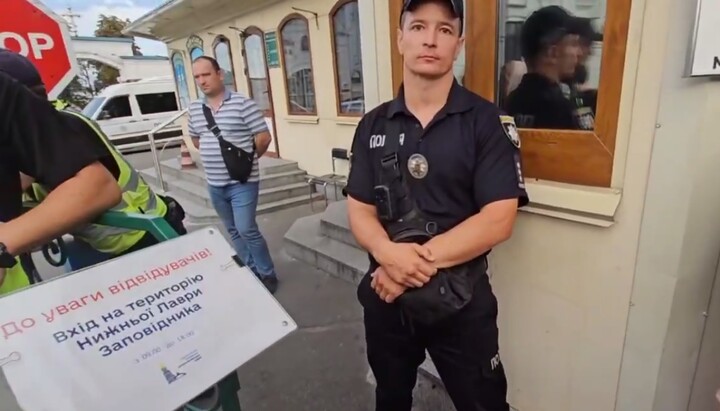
37, 140
539, 102
471, 161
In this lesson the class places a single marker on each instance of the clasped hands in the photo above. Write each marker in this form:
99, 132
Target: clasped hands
402, 266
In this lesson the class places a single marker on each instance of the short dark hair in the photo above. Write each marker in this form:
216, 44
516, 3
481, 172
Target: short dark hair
213, 62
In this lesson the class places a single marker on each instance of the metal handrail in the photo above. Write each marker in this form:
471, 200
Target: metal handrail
153, 148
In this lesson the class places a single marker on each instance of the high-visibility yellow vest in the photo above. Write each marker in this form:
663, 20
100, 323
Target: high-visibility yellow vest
15, 279
60, 104
137, 197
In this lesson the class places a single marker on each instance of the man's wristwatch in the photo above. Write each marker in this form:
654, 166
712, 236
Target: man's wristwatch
6, 259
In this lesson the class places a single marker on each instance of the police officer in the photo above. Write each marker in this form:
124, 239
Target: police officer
95, 243
36, 140
441, 155
551, 49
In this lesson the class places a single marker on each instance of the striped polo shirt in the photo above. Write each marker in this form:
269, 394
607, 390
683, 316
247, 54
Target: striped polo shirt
239, 120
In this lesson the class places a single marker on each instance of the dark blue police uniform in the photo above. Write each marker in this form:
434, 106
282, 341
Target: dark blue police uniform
469, 157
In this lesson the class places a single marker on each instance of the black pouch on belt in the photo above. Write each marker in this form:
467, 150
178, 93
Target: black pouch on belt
451, 289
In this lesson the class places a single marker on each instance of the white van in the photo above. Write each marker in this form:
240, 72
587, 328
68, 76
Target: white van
127, 112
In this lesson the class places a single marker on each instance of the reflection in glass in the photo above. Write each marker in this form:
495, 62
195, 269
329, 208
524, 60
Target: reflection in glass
257, 73
224, 59
348, 59
549, 62
181, 80
459, 65
298, 67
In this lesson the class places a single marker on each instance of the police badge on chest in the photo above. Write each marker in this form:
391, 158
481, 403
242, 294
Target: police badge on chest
418, 166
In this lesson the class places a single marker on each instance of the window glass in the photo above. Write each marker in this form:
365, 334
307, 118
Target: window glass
156, 103
549, 62
116, 107
181, 79
224, 59
459, 66
92, 107
257, 73
195, 53
298, 67
348, 59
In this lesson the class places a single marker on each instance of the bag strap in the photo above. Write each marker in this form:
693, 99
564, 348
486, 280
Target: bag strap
212, 125
390, 170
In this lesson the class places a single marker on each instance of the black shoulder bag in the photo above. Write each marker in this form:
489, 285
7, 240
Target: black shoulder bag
239, 163
451, 289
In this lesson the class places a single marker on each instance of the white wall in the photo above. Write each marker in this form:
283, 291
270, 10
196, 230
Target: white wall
133, 69
680, 240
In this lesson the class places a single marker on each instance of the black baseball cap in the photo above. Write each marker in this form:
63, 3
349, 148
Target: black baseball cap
584, 27
456, 6
20, 68
546, 27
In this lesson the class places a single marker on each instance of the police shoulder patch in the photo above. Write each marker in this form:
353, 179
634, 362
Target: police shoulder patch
508, 125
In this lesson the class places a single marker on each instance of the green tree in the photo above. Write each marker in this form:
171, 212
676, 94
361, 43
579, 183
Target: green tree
80, 90
111, 26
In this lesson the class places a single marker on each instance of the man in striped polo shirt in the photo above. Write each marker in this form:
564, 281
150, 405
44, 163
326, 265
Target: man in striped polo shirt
240, 122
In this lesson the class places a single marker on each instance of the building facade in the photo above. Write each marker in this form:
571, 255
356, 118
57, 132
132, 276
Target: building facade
609, 291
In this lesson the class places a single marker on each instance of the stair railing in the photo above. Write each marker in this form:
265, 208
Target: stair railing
154, 150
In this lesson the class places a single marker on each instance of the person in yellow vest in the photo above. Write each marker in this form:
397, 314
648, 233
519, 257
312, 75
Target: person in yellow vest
95, 243
13, 278
37, 140
60, 104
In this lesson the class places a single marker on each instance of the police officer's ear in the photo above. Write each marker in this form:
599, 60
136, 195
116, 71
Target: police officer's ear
460, 46
399, 37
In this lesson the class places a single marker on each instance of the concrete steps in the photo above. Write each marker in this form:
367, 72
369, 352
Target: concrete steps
324, 240
282, 185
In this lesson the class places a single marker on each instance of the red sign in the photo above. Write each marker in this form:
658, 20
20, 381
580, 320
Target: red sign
33, 30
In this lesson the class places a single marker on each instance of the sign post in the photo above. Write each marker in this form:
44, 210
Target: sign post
33, 30
147, 331
704, 51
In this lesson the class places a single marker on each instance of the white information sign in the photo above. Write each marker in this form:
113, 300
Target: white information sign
704, 59
149, 331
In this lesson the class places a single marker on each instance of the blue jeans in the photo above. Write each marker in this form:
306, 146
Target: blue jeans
236, 204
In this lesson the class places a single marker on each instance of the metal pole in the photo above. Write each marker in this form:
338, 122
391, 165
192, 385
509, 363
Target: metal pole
156, 161
153, 148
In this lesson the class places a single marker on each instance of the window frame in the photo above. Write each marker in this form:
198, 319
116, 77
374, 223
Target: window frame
257, 31
336, 70
222, 39
290, 17
177, 80
566, 156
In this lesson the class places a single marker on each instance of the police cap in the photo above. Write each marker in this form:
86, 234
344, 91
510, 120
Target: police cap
456, 6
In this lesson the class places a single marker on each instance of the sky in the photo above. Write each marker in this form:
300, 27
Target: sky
90, 10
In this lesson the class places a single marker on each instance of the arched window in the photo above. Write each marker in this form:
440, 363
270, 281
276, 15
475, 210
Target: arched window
181, 79
297, 63
347, 56
223, 55
195, 53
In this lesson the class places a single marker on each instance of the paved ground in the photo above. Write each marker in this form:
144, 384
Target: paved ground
322, 366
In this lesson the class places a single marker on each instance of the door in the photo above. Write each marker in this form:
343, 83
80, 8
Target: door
120, 120
707, 375
256, 71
